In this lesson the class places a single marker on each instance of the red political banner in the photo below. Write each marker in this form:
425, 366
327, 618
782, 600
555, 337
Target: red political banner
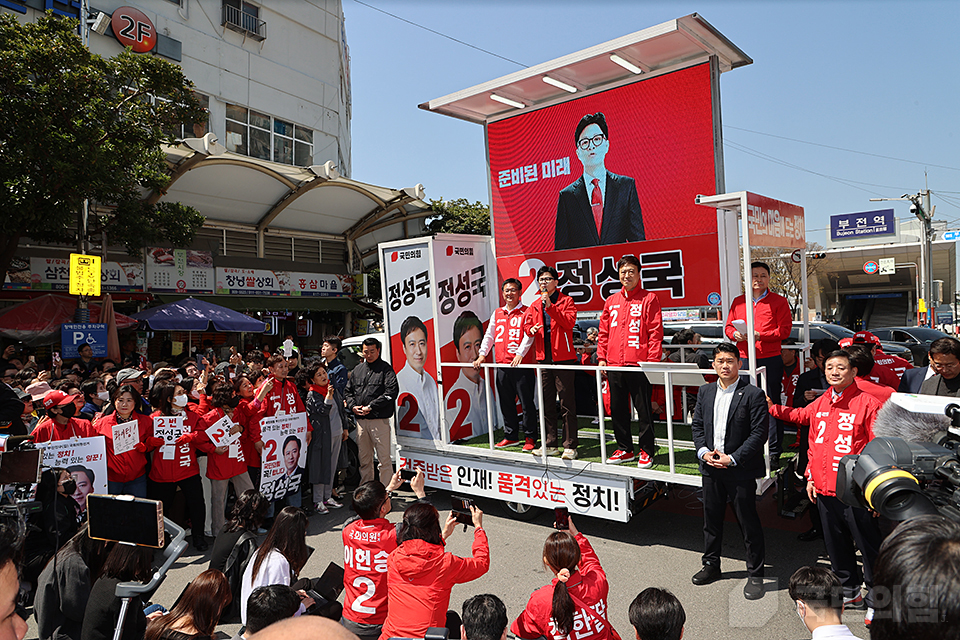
773, 223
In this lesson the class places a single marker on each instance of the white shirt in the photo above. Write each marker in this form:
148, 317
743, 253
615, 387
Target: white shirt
832, 631
424, 389
721, 409
275, 569
467, 401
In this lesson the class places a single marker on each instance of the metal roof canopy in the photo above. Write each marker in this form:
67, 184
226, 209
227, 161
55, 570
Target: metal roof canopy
670, 46
263, 197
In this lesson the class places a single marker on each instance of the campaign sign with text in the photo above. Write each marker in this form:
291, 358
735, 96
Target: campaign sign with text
126, 435
85, 459
599, 497
284, 456
410, 327
773, 223
467, 292
681, 271
168, 429
654, 157
219, 432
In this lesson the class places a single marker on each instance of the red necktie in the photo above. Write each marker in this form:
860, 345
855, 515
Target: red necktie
596, 203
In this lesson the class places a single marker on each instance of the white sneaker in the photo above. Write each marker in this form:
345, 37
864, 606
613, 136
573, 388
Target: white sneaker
868, 619
551, 451
333, 504
321, 508
569, 454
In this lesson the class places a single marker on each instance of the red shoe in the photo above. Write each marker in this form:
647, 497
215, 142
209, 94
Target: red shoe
620, 456
529, 445
644, 461
506, 443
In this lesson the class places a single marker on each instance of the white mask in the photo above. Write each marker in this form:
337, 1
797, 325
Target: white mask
195, 394
180, 401
232, 375
179, 378
104, 395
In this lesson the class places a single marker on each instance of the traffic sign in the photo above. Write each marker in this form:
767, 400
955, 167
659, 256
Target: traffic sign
796, 256
713, 299
84, 275
888, 266
950, 235
870, 267
74, 335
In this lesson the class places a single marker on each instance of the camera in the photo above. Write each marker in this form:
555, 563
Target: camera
901, 479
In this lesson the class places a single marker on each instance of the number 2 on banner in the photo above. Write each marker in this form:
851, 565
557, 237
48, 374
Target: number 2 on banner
270, 449
408, 410
370, 590
460, 399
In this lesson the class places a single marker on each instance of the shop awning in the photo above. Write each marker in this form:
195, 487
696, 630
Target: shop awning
274, 303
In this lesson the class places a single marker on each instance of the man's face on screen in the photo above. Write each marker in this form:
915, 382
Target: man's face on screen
592, 147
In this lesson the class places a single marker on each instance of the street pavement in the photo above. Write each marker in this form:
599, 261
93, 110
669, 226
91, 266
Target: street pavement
659, 547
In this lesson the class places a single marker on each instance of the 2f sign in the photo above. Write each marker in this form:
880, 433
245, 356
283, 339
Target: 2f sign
133, 29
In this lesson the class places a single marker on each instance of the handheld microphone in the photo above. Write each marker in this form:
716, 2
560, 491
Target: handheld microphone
894, 421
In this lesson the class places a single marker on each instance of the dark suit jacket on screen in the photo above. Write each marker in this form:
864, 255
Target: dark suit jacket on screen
747, 423
622, 221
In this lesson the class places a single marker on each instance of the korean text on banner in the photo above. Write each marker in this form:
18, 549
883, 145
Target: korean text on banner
409, 311
168, 429
773, 223
86, 461
220, 432
284, 456
126, 435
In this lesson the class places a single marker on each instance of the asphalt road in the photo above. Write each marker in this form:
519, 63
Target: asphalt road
659, 547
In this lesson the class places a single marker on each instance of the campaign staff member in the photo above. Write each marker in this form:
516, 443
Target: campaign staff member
127, 472
371, 394
771, 325
889, 362
505, 335
729, 427
467, 395
60, 423
224, 464
549, 321
414, 380
283, 397
600, 207
841, 423
631, 332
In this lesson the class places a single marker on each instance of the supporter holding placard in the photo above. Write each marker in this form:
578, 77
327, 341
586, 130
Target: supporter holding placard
225, 463
420, 574
251, 406
127, 465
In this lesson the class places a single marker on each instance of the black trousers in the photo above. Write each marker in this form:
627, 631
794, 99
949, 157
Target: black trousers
559, 382
843, 526
772, 384
513, 384
717, 489
624, 386
192, 492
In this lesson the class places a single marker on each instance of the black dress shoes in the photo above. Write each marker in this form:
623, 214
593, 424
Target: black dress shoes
706, 575
753, 590
810, 535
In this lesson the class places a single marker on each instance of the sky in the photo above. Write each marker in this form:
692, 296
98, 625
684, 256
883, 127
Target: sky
845, 101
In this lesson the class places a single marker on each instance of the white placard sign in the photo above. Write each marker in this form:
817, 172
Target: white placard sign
85, 459
284, 455
219, 432
126, 435
168, 429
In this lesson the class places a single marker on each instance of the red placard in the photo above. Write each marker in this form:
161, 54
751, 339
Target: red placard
773, 223
658, 155
132, 28
681, 271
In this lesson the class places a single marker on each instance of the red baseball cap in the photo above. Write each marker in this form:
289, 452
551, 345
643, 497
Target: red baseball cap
57, 399
846, 342
865, 337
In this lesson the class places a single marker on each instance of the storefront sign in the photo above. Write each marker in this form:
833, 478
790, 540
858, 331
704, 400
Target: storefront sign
53, 274
262, 282
179, 271
132, 28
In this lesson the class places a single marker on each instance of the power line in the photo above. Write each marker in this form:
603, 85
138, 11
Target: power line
827, 146
442, 35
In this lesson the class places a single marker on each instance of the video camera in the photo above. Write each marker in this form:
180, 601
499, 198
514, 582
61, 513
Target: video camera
912, 466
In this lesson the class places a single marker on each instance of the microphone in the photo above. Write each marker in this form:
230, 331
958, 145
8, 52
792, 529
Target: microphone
893, 421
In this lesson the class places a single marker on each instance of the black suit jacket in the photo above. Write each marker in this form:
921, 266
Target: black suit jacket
747, 423
622, 221
911, 380
809, 379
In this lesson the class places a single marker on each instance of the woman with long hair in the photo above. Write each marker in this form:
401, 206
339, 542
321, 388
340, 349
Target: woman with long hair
251, 411
420, 574
237, 542
125, 563
127, 471
52, 527
579, 585
280, 558
175, 465
64, 587
328, 416
196, 615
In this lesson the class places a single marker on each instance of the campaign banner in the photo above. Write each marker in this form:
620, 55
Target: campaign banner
772, 223
86, 461
220, 432
168, 429
179, 270
467, 293
681, 271
618, 166
409, 311
284, 456
591, 496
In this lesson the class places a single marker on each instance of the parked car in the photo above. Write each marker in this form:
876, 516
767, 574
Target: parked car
917, 339
819, 330
350, 349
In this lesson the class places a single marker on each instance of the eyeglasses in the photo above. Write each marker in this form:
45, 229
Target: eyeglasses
944, 365
546, 279
595, 141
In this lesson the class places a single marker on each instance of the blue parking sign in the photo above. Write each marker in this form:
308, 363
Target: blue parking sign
75, 335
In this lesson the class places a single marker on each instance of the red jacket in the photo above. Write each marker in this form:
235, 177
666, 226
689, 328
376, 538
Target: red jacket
895, 364
879, 391
48, 430
220, 466
504, 335
283, 397
563, 315
771, 318
836, 429
631, 328
132, 464
184, 463
588, 585
789, 382
251, 432
366, 546
420, 577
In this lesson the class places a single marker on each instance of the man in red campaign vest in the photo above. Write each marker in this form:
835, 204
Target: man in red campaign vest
505, 335
886, 367
549, 321
631, 332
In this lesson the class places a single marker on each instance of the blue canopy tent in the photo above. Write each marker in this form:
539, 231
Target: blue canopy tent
192, 315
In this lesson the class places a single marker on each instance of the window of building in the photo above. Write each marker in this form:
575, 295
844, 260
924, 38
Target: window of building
244, 17
260, 135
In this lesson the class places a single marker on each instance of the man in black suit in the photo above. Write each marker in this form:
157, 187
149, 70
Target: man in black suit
600, 207
729, 429
911, 379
